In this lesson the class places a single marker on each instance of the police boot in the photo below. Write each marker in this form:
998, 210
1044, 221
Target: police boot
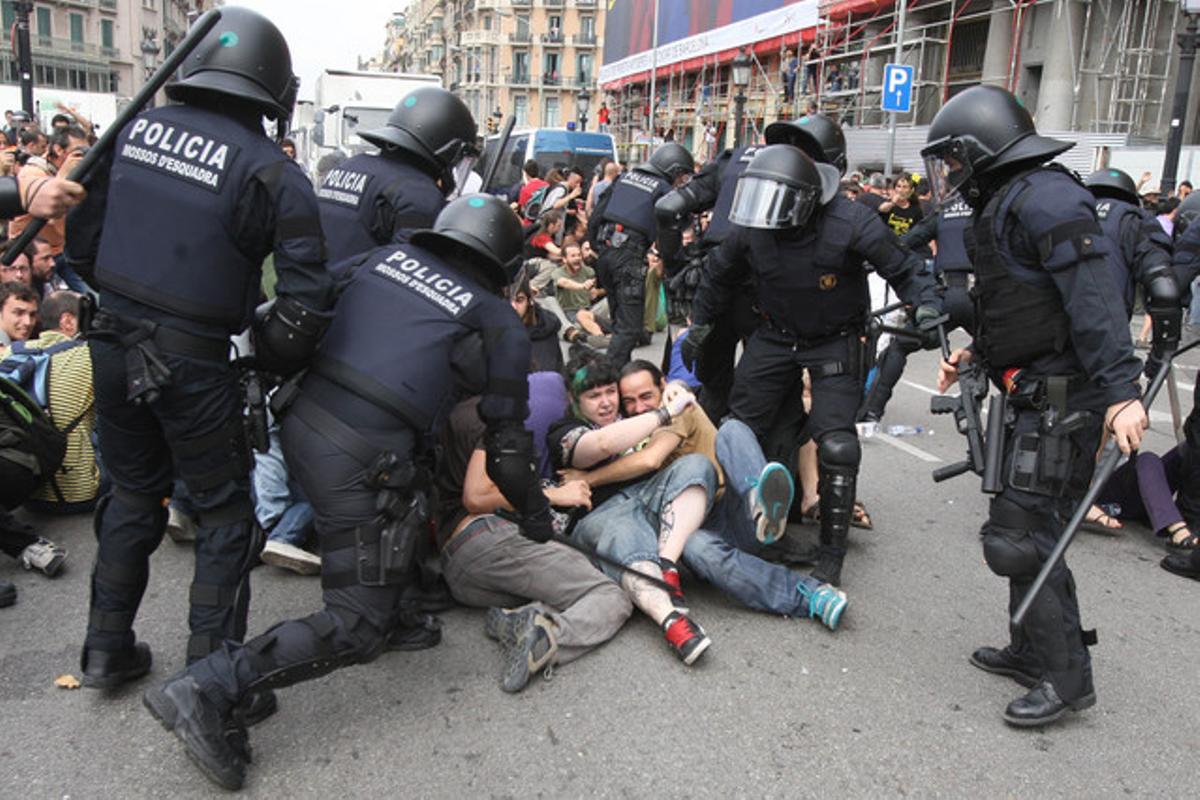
108, 669
182, 708
1043, 705
838, 456
1022, 667
415, 632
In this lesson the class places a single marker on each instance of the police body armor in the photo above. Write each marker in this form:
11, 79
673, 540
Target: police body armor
817, 286
349, 195
1018, 321
953, 222
409, 289
631, 203
720, 226
178, 175
1112, 213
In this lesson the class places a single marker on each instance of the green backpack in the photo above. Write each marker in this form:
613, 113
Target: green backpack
31, 448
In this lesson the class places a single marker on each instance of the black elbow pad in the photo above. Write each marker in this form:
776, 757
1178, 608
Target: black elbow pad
286, 334
673, 209
511, 463
10, 198
1165, 304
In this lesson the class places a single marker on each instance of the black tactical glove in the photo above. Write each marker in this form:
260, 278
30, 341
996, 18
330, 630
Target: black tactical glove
538, 525
927, 319
693, 345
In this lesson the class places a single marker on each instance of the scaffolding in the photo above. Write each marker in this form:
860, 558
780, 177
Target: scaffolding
1120, 76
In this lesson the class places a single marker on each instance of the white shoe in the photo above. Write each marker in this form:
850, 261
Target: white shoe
45, 556
288, 556
180, 527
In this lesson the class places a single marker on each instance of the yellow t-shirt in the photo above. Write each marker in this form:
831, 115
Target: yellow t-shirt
699, 436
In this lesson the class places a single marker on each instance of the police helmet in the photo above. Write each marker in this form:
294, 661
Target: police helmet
432, 125
672, 160
244, 56
981, 130
780, 188
1187, 213
817, 135
1113, 183
486, 226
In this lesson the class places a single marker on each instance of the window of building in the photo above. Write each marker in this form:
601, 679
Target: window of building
550, 69
521, 67
550, 113
583, 69
587, 29
114, 82
522, 34
487, 22
9, 15
76, 21
554, 27
521, 110
106, 34
435, 26
44, 30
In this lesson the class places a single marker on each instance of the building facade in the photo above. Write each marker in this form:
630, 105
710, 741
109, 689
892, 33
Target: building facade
529, 58
107, 46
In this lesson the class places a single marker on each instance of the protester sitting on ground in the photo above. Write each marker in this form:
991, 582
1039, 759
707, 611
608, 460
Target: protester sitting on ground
547, 604
542, 254
541, 325
750, 509
70, 403
1143, 490
44, 268
638, 521
20, 270
575, 289
18, 312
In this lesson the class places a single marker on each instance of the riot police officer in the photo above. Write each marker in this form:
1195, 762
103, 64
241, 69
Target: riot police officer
197, 197
1049, 334
804, 245
426, 150
713, 187
381, 384
1141, 248
952, 269
622, 229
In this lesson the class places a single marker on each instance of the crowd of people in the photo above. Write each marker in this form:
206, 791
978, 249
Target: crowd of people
443, 403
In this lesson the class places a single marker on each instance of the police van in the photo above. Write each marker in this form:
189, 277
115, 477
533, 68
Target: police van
551, 148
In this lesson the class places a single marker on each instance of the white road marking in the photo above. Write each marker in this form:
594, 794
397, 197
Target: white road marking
912, 450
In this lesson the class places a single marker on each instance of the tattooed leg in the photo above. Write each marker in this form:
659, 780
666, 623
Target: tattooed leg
649, 598
679, 519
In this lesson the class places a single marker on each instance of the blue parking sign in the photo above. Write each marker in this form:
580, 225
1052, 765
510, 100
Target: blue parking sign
897, 88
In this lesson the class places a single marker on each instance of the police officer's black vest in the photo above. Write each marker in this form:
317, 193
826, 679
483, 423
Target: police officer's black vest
953, 221
1017, 322
631, 202
719, 226
349, 194
811, 286
392, 339
178, 174
1111, 214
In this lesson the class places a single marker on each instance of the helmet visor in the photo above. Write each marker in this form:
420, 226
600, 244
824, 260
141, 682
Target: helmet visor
948, 169
461, 174
764, 203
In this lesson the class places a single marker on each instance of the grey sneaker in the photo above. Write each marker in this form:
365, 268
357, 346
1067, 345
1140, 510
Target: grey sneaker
44, 555
288, 556
533, 651
180, 527
770, 501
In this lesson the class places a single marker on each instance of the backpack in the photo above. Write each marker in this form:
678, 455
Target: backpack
533, 206
31, 447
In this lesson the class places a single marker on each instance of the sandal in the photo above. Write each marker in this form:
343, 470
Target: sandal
861, 518
1100, 521
1189, 542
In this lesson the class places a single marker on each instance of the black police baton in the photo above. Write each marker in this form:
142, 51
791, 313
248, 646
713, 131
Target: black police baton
106, 142
1108, 462
494, 164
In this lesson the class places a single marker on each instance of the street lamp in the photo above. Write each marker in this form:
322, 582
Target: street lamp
582, 101
150, 50
740, 68
1188, 41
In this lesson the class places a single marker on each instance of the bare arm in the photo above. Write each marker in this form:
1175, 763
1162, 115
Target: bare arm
481, 496
629, 467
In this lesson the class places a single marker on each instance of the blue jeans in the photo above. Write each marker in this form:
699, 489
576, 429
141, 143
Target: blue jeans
722, 551
279, 502
625, 527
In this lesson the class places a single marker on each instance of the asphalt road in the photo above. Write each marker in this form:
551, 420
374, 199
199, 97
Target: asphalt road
886, 706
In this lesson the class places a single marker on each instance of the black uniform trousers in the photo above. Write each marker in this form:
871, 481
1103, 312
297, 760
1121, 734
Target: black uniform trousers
767, 380
957, 303
715, 366
624, 276
193, 431
1021, 531
354, 624
1189, 486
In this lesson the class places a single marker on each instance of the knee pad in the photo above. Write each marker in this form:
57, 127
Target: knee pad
1010, 552
839, 450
